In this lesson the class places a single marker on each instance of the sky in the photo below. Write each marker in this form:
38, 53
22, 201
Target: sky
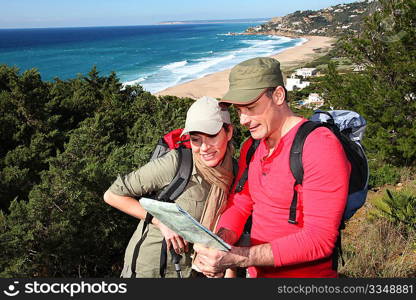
80, 13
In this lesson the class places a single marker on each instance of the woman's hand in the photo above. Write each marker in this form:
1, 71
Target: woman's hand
172, 238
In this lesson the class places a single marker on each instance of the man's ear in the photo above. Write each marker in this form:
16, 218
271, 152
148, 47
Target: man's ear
279, 95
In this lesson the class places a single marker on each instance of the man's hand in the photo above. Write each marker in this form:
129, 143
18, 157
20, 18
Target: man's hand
213, 262
207, 261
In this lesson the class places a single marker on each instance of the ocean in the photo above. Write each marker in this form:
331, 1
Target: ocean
154, 56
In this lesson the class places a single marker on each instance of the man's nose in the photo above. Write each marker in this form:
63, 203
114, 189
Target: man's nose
244, 120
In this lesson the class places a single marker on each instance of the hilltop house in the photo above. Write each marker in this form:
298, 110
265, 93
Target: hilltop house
314, 101
358, 68
294, 82
306, 72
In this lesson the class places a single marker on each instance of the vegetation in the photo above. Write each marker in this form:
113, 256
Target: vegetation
380, 240
376, 243
332, 21
399, 208
63, 143
378, 249
384, 93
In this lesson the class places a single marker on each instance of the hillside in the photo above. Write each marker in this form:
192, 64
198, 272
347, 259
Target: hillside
330, 21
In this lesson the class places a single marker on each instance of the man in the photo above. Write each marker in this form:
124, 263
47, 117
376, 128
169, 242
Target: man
279, 248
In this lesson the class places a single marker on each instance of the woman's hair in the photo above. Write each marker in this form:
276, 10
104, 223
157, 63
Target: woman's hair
226, 127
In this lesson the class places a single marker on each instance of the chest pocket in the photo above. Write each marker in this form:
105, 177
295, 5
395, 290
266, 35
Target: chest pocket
193, 198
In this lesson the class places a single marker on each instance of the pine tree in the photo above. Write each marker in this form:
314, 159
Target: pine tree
67, 229
385, 92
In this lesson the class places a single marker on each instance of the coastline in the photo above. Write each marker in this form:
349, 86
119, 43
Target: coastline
216, 84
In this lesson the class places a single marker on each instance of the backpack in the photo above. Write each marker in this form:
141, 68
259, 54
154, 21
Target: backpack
170, 141
348, 127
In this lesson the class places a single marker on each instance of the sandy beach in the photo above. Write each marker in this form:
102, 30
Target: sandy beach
216, 84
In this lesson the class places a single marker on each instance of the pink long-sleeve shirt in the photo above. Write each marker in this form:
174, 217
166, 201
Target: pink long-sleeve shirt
304, 249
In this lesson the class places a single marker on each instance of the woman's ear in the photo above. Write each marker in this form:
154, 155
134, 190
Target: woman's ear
230, 132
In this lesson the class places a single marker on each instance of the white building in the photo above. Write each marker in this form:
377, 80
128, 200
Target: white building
306, 72
295, 83
314, 100
358, 68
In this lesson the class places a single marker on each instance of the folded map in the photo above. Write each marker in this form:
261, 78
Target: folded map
180, 221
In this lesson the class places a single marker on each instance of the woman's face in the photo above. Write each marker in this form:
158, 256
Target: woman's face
211, 148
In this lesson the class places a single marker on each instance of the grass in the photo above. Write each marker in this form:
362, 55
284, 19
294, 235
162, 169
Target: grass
374, 247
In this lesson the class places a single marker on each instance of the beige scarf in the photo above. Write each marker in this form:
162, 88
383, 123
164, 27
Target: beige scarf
220, 178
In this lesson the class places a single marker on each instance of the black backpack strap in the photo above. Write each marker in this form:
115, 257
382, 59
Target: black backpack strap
240, 185
249, 155
169, 193
163, 258
173, 191
139, 243
338, 248
235, 172
181, 179
295, 161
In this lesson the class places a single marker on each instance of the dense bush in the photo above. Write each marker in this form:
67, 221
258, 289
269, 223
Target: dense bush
400, 208
62, 145
385, 92
381, 174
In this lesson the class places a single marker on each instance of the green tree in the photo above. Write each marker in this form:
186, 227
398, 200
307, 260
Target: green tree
384, 93
67, 229
25, 138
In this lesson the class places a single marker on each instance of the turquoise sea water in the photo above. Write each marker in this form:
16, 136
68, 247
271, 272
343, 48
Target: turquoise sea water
155, 56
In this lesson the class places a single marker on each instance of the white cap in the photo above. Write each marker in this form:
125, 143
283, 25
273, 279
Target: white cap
207, 116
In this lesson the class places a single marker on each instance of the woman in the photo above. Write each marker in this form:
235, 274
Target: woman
204, 197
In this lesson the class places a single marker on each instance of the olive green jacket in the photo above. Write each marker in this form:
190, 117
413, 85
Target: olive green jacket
152, 177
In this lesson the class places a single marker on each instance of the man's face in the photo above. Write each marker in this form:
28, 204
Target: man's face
257, 117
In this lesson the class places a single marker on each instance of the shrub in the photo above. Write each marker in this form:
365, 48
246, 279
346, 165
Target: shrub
382, 174
399, 207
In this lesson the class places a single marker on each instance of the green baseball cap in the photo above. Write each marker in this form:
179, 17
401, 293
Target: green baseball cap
250, 78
